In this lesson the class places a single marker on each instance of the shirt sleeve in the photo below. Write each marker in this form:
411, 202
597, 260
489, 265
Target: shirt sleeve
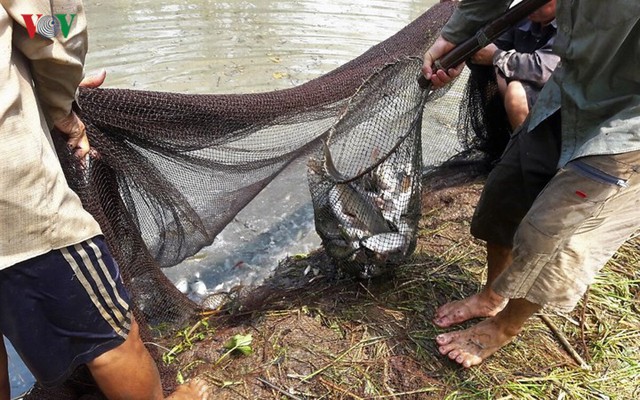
535, 67
57, 64
470, 16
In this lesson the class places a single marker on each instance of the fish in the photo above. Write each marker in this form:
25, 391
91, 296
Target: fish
216, 301
197, 287
364, 224
357, 215
386, 243
395, 186
182, 285
353, 207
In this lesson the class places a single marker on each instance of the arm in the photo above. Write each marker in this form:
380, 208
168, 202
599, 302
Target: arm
56, 64
485, 55
535, 67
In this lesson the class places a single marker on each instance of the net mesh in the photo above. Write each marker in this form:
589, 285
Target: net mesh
174, 169
365, 180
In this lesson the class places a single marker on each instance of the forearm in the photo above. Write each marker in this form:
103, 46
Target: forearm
485, 55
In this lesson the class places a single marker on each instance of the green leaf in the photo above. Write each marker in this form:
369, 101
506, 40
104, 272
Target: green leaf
238, 342
180, 378
246, 350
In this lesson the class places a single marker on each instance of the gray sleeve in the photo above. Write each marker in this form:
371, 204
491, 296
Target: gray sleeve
535, 67
57, 64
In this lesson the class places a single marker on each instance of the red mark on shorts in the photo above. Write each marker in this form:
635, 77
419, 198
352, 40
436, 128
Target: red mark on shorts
582, 194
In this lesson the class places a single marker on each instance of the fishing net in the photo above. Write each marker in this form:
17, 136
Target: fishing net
365, 180
174, 169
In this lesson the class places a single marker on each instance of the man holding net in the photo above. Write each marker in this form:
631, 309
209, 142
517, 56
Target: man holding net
566, 192
62, 302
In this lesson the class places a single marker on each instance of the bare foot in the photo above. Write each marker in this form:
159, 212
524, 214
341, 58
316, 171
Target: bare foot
483, 304
471, 346
195, 389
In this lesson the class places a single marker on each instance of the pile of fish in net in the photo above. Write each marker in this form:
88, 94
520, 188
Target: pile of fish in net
174, 169
365, 179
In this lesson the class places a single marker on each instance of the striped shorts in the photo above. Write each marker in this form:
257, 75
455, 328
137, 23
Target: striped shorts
64, 308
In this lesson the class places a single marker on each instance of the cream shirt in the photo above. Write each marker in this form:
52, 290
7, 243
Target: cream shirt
38, 80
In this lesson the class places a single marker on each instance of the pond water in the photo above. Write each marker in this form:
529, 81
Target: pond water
236, 46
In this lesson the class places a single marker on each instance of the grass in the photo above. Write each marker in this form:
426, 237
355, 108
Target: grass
327, 336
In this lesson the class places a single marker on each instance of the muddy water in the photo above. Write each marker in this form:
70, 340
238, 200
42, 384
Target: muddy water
236, 46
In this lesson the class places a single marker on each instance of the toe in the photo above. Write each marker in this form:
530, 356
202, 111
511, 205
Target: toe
470, 360
444, 339
441, 322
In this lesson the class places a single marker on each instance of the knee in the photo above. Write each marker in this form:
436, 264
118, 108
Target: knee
131, 349
515, 98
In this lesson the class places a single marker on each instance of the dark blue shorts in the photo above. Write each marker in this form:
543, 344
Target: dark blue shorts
64, 308
528, 163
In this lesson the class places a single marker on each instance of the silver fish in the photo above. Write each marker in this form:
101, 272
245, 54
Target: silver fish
197, 287
353, 207
182, 285
370, 227
386, 243
356, 213
216, 301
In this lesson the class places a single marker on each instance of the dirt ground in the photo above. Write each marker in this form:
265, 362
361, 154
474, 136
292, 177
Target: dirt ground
316, 334
313, 332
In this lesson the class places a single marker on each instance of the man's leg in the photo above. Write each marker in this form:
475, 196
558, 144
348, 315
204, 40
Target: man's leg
5, 387
486, 303
572, 229
471, 346
129, 372
528, 163
79, 314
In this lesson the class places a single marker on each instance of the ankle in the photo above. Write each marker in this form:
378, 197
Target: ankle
515, 314
492, 297
512, 329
